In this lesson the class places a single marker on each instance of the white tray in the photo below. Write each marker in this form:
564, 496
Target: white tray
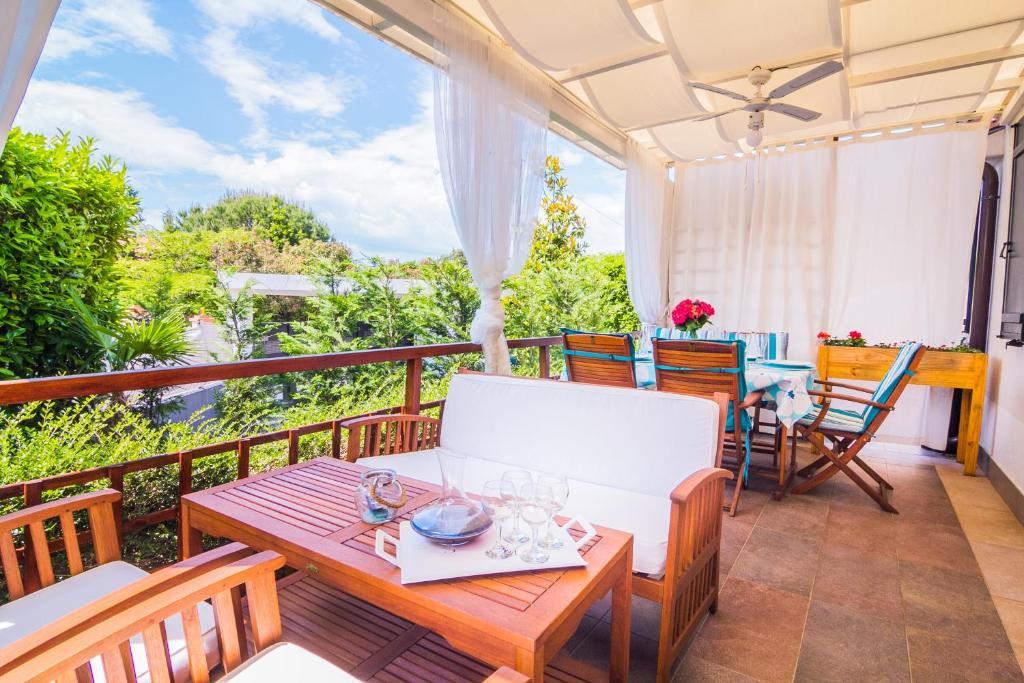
422, 560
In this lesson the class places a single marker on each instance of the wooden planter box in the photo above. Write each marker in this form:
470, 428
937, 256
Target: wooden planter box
966, 371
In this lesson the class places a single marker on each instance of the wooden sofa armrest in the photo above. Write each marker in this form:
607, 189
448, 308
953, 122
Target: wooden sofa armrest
100, 507
846, 397
83, 637
828, 384
687, 487
108, 605
507, 675
388, 434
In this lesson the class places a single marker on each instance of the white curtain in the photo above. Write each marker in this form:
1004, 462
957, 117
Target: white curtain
490, 119
873, 236
905, 215
24, 25
751, 237
647, 189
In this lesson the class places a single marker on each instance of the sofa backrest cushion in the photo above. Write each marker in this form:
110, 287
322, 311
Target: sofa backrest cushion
642, 441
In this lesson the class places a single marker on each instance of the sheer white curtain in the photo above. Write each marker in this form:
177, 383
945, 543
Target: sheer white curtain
24, 25
490, 120
647, 189
750, 237
905, 214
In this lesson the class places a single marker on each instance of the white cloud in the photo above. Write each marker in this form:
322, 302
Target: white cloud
97, 26
257, 80
381, 195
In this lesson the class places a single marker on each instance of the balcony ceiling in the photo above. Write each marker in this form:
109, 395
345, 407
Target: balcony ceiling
627, 65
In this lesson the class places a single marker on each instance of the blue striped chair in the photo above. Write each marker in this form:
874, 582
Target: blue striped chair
706, 368
772, 345
838, 435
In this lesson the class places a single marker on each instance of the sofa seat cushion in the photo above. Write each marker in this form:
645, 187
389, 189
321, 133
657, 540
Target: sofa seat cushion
36, 610
285, 662
646, 517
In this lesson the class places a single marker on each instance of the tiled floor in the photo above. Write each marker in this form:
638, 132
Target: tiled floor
826, 587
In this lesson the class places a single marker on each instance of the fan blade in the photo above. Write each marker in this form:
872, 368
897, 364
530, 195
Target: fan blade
813, 76
716, 114
720, 91
794, 111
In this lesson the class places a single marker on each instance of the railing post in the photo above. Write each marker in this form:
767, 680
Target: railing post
117, 483
184, 488
413, 385
336, 439
243, 458
293, 447
544, 355
33, 495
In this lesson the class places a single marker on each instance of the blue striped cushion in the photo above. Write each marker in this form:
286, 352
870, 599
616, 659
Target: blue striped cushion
670, 333
892, 377
836, 418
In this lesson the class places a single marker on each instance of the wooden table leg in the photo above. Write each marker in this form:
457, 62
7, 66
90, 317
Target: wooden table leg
780, 490
531, 663
622, 603
190, 540
970, 433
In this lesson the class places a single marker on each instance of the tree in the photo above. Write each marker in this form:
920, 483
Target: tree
65, 220
560, 235
268, 215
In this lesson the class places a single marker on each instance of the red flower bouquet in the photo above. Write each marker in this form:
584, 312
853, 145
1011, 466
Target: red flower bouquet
690, 315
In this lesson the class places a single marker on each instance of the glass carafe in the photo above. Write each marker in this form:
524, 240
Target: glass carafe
454, 519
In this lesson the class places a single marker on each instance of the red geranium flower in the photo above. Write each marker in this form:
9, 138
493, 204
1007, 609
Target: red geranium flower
824, 335
854, 334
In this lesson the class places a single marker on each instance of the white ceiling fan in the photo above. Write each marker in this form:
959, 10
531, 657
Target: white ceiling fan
758, 103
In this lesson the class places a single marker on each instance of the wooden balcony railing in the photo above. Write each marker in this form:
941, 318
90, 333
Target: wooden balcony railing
75, 386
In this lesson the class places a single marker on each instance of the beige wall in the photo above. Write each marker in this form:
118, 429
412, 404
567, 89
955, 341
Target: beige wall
1003, 427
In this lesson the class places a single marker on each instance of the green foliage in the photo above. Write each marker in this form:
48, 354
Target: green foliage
65, 219
268, 215
560, 236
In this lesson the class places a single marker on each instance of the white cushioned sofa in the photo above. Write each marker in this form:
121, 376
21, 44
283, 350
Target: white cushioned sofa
634, 459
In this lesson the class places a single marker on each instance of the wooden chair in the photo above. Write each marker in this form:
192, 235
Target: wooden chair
390, 434
595, 358
38, 598
706, 368
839, 435
103, 629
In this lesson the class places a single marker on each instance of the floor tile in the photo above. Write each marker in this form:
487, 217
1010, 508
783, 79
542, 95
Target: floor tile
778, 560
998, 527
847, 645
643, 653
582, 631
645, 616
734, 537
860, 580
1003, 569
1012, 614
936, 658
951, 605
935, 545
694, 668
756, 631
800, 515
867, 529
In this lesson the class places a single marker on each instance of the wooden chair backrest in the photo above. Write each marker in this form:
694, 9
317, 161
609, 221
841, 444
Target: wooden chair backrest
390, 434
82, 637
693, 355
616, 372
38, 571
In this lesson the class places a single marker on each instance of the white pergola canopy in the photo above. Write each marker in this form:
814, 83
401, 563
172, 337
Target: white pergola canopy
623, 67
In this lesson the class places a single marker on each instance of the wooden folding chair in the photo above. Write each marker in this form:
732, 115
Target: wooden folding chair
596, 358
706, 368
839, 435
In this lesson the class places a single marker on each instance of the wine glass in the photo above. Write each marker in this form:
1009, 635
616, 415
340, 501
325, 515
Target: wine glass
535, 514
520, 484
552, 491
494, 500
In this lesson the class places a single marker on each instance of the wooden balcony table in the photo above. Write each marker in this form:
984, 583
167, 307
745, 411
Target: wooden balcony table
306, 513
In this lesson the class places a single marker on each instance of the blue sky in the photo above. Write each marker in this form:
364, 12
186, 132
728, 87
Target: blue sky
203, 96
